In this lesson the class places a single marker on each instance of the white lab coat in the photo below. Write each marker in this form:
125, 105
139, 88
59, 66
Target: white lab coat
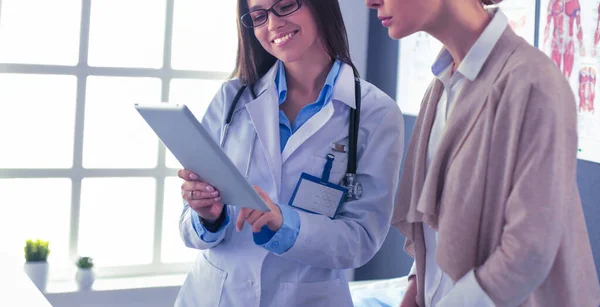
233, 271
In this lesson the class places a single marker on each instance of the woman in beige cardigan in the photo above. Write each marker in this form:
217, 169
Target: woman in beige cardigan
488, 198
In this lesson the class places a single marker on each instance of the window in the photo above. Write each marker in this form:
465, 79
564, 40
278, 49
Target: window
78, 166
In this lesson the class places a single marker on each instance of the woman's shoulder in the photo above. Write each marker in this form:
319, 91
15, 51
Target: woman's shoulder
532, 67
229, 85
375, 100
532, 80
227, 91
379, 112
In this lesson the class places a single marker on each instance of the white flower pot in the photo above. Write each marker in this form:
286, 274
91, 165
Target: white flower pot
85, 278
38, 273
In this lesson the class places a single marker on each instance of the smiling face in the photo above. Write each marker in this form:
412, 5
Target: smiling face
288, 38
405, 17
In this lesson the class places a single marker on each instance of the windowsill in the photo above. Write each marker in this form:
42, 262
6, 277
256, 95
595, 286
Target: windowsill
151, 291
116, 284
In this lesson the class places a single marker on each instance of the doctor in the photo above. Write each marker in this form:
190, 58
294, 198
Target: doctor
488, 198
293, 57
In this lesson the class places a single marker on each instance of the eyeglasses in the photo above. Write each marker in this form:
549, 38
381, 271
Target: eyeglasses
280, 8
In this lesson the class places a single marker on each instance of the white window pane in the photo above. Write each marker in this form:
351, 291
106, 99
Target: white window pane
115, 135
36, 209
127, 33
116, 224
40, 31
204, 35
37, 120
197, 95
173, 248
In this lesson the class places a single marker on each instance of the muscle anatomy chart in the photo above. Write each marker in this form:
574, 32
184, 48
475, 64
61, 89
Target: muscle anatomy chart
587, 89
563, 27
521, 16
569, 34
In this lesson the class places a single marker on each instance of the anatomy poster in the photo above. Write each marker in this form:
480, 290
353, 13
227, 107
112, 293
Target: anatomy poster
521, 16
418, 52
569, 35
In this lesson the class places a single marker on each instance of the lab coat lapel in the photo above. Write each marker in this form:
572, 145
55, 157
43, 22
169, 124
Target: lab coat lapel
343, 91
264, 113
307, 130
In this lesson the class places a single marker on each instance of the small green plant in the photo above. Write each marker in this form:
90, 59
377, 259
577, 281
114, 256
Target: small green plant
36, 251
85, 263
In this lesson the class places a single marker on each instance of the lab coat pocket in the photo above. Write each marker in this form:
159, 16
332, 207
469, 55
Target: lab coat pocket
338, 169
315, 294
204, 286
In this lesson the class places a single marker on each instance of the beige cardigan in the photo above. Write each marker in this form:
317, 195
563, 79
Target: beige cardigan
501, 189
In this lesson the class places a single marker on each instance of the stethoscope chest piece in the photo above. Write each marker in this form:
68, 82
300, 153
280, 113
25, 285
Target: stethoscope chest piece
355, 188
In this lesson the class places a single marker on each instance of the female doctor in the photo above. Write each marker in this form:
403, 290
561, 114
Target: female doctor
488, 199
293, 58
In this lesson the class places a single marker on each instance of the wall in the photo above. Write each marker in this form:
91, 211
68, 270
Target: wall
392, 261
356, 17
145, 297
588, 180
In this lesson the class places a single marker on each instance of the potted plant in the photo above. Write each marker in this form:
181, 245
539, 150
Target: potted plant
85, 275
36, 262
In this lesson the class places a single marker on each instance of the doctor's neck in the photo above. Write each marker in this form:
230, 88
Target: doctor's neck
307, 75
458, 25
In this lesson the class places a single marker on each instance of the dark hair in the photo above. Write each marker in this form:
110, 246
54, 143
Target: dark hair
490, 2
253, 61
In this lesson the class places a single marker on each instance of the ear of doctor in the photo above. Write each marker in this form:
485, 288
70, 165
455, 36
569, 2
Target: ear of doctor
205, 201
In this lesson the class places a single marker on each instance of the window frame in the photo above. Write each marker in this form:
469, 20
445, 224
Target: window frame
77, 173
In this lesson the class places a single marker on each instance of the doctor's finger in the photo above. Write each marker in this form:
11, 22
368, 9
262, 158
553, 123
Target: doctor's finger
197, 185
261, 222
239, 222
254, 216
195, 194
201, 203
187, 175
265, 197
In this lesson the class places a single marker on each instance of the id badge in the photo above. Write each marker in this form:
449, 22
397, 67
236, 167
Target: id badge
318, 195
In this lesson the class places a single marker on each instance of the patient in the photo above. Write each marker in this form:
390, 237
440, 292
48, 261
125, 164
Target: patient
488, 198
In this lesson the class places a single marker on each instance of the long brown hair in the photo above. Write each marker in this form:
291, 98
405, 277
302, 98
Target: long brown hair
253, 61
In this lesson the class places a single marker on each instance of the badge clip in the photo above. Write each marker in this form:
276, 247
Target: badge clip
327, 169
338, 147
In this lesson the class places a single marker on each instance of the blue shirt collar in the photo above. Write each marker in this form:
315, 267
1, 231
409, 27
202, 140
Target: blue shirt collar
281, 83
479, 53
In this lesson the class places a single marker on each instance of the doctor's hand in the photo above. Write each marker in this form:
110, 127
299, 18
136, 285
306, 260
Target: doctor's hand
202, 197
257, 219
410, 296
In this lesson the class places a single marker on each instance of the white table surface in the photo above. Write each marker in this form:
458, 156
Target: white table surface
16, 287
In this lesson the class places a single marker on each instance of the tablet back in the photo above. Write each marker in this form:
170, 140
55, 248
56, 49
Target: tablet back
180, 131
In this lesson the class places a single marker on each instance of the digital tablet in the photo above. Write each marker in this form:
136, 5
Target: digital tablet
180, 131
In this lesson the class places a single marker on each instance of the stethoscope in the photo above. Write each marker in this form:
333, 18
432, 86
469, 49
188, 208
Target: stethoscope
350, 180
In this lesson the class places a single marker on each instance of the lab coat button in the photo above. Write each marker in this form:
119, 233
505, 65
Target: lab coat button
250, 283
